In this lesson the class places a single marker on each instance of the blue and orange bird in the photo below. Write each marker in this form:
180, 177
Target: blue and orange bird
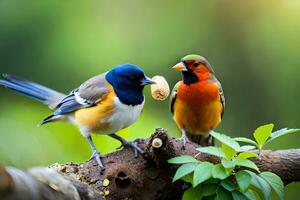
197, 101
104, 104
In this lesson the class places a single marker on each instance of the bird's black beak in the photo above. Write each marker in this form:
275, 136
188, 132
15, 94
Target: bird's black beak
147, 81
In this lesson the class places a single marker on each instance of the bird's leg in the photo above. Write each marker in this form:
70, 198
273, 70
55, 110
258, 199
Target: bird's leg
184, 137
124, 143
96, 154
211, 141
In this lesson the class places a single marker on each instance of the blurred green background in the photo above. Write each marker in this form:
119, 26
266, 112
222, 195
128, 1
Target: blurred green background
253, 46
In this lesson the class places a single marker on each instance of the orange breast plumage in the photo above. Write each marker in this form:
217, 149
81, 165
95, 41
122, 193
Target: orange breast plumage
93, 117
198, 107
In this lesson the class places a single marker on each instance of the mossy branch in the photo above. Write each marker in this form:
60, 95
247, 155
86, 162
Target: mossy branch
126, 177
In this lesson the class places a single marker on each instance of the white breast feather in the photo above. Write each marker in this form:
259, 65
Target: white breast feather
123, 116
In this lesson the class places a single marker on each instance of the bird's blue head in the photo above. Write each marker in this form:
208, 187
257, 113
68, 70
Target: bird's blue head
128, 82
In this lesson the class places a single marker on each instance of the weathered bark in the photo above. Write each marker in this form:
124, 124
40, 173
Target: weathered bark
127, 177
42, 183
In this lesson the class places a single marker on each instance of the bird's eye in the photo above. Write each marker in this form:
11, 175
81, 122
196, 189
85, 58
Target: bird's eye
132, 78
196, 64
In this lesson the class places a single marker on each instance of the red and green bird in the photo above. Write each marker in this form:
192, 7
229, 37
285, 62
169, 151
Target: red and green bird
197, 101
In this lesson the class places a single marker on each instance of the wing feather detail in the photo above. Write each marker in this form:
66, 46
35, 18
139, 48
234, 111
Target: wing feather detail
173, 97
86, 95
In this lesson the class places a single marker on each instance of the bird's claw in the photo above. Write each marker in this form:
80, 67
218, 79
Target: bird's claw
132, 145
98, 157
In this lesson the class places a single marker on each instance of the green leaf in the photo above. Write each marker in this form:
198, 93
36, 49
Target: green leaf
192, 193
212, 197
183, 159
229, 152
245, 140
209, 189
262, 133
253, 195
229, 170
184, 170
246, 163
275, 183
247, 154
223, 194
202, 172
219, 172
247, 147
216, 151
243, 179
236, 195
228, 164
211, 181
228, 185
260, 186
280, 133
226, 140
188, 178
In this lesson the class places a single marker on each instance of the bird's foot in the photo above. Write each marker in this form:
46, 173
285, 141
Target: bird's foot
98, 157
184, 139
137, 150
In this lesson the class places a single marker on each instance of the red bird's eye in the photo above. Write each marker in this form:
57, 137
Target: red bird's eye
196, 64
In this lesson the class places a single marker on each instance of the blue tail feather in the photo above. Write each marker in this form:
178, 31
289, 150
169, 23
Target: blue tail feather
30, 89
23, 90
28, 84
35, 91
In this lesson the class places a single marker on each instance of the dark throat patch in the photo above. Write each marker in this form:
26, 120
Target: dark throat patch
189, 77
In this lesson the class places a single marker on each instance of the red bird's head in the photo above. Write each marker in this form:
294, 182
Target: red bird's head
194, 68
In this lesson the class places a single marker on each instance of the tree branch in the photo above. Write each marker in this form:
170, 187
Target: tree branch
127, 177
